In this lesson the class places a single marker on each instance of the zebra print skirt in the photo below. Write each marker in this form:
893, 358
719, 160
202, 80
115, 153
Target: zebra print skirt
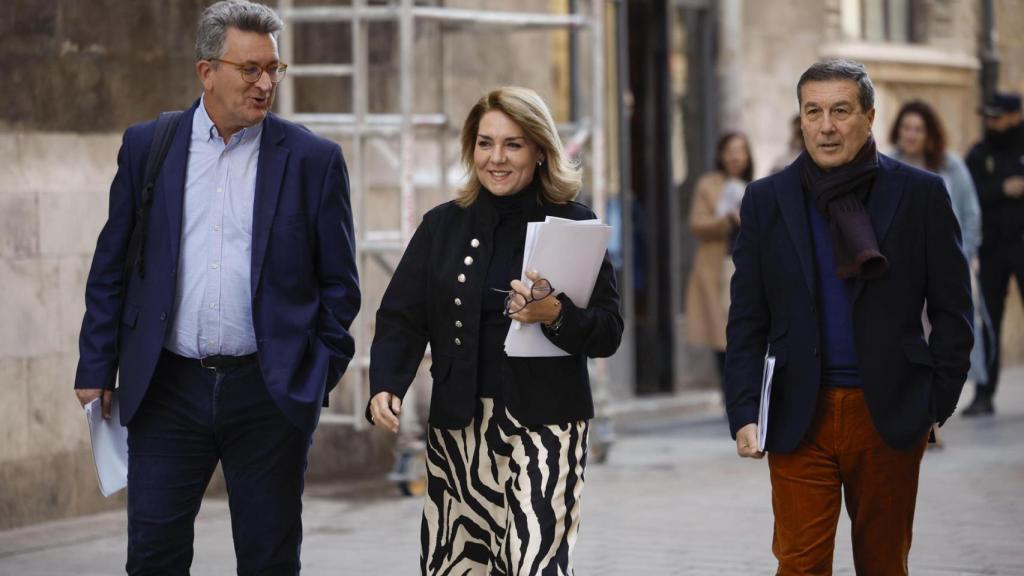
502, 499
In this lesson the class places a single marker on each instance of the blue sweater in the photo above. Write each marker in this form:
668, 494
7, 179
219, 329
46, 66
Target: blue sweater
839, 353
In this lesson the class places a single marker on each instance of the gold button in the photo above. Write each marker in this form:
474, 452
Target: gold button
458, 301
462, 278
468, 260
474, 243
458, 323
458, 342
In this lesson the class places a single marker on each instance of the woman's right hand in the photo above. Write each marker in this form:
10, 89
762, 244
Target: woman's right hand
385, 408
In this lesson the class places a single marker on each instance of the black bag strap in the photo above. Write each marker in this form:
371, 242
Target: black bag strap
166, 126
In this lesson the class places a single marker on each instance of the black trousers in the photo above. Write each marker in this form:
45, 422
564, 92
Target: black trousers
998, 263
191, 419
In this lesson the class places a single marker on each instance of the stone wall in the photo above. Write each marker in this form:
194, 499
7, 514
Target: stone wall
780, 40
1009, 23
53, 202
95, 65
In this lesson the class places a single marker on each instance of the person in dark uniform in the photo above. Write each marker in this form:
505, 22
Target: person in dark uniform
997, 166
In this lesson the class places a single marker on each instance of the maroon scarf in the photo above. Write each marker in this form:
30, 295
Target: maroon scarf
839, 195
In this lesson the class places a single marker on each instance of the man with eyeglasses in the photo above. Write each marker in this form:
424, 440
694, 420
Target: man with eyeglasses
227, 323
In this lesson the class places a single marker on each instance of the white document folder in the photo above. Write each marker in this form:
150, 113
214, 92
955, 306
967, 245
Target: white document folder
766, 396
109, 446
568, 253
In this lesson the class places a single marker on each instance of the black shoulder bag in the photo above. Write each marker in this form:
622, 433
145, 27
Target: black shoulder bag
166, 126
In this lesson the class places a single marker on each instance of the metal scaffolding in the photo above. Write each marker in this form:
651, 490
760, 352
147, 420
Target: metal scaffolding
360, 125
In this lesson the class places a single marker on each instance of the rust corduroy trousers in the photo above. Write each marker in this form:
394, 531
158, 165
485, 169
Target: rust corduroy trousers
842, 455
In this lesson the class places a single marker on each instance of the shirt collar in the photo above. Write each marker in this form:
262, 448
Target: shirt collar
205, 130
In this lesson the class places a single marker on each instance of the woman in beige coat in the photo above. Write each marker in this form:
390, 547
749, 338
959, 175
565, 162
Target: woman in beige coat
714, 219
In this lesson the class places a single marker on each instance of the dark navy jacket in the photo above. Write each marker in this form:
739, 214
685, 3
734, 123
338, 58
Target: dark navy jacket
909, 382
305, 290
427, 303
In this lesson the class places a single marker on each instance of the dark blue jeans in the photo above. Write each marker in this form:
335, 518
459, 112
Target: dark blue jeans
191, 419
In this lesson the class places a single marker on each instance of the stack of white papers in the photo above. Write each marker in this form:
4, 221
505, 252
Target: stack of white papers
568, 253
109, 446
766, 396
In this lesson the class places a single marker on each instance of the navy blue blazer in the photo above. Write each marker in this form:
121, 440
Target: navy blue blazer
909, 382
305, 288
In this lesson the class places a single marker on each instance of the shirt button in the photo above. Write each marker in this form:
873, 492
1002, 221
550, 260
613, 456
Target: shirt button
468, 260
214, 266
216, 227
458, 301
458, 323
474, 243
213, 305
458, 342
163, 316
462, 278
220, 189
816, 353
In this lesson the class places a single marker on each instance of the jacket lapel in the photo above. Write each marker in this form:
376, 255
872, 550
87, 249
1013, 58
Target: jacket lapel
883, 201
789, 192
269, 172
172, 180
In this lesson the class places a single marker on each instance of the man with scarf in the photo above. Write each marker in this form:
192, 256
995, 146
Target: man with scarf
997, 166
835, 259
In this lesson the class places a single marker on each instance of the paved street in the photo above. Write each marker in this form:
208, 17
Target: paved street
672, 499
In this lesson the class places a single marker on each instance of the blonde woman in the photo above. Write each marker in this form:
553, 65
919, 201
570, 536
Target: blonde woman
507, 441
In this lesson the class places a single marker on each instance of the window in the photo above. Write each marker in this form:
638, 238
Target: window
876, 20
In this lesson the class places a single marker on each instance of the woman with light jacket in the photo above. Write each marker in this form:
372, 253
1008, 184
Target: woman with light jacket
507, 438
714, 220
920, 140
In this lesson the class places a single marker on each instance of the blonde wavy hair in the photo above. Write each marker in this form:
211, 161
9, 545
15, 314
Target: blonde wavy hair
560, 176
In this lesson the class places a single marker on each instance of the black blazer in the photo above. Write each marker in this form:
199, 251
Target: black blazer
426, 302
909, 382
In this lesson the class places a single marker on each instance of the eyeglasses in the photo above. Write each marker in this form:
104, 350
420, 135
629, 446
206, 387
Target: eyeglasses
540, 290
252, 73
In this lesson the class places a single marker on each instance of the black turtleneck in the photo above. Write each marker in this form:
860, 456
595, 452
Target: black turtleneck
506, 265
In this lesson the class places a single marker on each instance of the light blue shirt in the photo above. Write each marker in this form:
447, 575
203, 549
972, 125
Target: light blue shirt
213, 300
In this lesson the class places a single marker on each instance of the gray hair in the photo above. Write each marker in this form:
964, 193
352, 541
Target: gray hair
840, 69
241, 14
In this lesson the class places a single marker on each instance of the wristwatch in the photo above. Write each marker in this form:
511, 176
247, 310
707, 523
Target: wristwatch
555, 326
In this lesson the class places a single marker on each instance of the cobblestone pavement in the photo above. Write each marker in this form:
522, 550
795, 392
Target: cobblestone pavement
672, 499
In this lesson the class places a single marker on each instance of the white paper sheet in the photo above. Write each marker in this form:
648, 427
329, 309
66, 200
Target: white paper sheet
731, 197
568, 253
766, 396
109, 446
